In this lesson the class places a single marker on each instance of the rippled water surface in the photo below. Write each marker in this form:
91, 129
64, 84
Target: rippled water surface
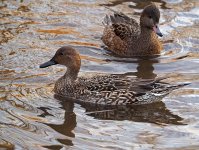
31, 117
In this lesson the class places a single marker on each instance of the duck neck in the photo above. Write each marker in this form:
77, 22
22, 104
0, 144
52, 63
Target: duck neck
147, 32
71, 74
66, 81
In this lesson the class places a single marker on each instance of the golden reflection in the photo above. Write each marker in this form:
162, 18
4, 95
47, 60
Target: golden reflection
10, 33
12, 53
3, 98
60, 13
84, 43
59, 31
23, 8
6, 71
30, 22
8, 76
4, 145
79, 4
33, 118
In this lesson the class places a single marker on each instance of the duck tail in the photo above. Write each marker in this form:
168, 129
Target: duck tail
116, 17
157, 94
106, 21
167, 89
173, 87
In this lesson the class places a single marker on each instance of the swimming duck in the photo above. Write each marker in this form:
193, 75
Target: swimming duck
125, 37
104, 89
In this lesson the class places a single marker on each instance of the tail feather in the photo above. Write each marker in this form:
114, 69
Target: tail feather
106, 20
116, 17
173, 87
169, 88
158, 94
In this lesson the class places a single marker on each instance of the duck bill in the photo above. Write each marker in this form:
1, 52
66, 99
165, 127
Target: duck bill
48, 63
157, 30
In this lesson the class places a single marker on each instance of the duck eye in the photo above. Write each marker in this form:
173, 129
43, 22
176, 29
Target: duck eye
150, 17
61, 53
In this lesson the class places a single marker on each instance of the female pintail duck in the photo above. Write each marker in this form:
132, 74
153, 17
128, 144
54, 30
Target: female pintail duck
104, 89
125, 37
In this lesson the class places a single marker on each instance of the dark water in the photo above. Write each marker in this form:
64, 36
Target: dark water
31, 117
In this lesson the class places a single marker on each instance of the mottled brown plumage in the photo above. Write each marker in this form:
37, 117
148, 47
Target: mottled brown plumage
104, 89
125, 37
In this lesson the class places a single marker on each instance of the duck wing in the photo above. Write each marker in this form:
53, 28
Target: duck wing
122, 25
129, 97
128, 91
116, 82
106, 83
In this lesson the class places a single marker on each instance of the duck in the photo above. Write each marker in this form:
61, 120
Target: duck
125, 37
105, 89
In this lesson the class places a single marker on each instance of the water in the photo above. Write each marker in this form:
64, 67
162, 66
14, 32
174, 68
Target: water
31, 117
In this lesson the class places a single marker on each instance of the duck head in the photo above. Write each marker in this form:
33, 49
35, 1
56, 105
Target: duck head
150, 19
68, 57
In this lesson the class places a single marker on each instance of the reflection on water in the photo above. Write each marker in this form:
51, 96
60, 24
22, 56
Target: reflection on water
145, 68
157, 113
32, 118
153, 113
69, 122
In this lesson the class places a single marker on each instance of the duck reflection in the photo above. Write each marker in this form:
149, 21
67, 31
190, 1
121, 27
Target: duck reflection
151, 113
145, 68
69, 121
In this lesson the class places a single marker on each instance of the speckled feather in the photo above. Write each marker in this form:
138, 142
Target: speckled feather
115, 90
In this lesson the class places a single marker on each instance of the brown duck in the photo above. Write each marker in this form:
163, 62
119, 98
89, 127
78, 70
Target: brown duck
104, 89
125, 37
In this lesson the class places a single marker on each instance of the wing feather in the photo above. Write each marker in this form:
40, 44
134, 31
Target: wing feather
123, 26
